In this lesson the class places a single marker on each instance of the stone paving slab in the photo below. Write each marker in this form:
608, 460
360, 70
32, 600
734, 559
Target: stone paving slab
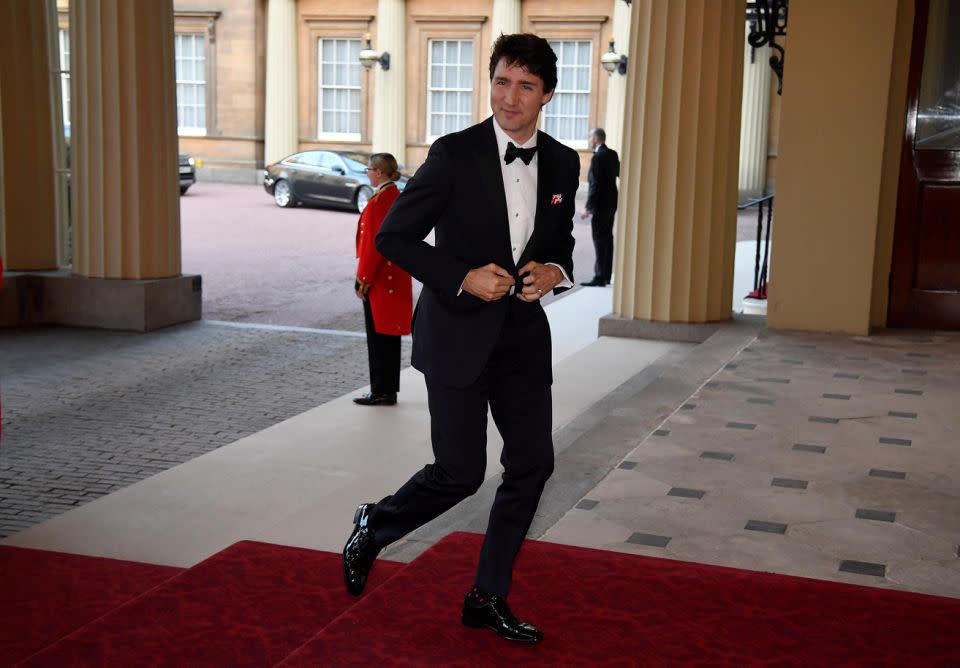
87, 412
809, 454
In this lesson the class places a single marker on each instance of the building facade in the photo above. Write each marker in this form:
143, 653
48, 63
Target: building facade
307, 52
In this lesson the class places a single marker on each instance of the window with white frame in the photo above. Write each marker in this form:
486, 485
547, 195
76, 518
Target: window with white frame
64, 36
191, 83
567, 116
449, 86
338, 97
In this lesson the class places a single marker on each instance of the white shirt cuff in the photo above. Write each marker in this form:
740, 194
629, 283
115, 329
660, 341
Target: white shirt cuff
565, 283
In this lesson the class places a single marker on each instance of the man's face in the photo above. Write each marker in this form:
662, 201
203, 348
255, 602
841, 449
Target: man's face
515, 98
592, 141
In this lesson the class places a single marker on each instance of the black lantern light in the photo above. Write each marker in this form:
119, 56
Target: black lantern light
768, 20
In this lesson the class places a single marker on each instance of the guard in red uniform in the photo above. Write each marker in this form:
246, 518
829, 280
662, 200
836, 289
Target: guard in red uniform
386, 289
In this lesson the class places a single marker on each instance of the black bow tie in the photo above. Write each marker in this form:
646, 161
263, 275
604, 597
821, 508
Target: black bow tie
525, 154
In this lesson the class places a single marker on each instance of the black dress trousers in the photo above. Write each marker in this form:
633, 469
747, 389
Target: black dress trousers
601, 225
383, 354
516, 387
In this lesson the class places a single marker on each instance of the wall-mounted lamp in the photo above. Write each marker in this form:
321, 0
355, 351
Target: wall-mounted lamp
613, 61
369, 57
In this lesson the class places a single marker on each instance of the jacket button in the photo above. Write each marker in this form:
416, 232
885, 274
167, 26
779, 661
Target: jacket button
389, 278
390, 291
389, 263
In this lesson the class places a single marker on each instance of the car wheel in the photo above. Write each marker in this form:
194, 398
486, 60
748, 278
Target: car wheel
283, 195
360, 200
184, 189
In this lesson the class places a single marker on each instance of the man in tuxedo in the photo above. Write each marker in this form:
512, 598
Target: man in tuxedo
499, 197
601, 204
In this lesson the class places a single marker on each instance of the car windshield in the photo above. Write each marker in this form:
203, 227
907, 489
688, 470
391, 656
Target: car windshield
357, 162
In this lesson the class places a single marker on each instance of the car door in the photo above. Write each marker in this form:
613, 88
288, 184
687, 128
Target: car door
337, 183
307, 178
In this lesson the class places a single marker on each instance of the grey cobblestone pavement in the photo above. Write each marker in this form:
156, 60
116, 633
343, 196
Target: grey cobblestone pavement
86, 412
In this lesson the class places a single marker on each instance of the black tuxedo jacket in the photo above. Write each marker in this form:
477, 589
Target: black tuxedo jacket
602, 180
458, 193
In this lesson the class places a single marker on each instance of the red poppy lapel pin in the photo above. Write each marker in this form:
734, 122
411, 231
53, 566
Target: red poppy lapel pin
556, 199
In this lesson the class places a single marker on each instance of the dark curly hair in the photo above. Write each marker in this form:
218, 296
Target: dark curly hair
531, 52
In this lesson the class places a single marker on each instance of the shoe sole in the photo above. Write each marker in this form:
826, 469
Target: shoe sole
480, 625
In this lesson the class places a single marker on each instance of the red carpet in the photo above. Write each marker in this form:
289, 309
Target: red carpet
249, 605
46, 595
605, 608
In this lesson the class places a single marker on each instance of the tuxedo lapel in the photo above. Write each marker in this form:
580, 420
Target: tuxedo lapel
491, 176
545, 161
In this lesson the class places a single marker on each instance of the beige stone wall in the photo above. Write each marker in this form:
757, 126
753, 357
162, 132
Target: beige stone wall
235, 81
834, 125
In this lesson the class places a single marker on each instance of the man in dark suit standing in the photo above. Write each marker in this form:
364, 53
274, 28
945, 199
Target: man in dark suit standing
601, 204
499, 197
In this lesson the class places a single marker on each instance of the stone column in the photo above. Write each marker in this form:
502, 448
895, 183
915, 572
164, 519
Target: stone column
280, 133
505, 18
125, 192
617, 84
754, 117
29, 210
389, 116
677, 212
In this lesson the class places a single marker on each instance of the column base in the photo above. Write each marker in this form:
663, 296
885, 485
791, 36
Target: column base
683, 332
30, 299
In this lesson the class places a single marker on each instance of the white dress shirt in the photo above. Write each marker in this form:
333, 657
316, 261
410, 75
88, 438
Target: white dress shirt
520, 188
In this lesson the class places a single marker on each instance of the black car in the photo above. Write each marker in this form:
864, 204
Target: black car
188, 174
337, 178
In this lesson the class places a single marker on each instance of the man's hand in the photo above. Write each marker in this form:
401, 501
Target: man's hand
538, 280
362, 289
584, 214
489, 282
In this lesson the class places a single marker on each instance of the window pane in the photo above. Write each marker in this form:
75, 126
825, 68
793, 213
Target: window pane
338, 95
567, 116
450, 86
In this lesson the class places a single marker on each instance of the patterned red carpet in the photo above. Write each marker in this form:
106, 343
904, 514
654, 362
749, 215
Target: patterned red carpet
250, 605
605, 608
46, 595
259, 605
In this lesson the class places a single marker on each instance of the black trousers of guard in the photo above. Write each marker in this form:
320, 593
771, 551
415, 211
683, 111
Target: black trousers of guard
383, 354
601, 225
520, 402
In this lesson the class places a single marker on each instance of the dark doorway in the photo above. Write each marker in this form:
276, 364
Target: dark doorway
925, 279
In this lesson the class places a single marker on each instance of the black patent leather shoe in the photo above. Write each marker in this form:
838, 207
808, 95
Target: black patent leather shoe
360, 551
490, 611
371, 399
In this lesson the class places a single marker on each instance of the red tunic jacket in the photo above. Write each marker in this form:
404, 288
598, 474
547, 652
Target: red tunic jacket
391, 288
